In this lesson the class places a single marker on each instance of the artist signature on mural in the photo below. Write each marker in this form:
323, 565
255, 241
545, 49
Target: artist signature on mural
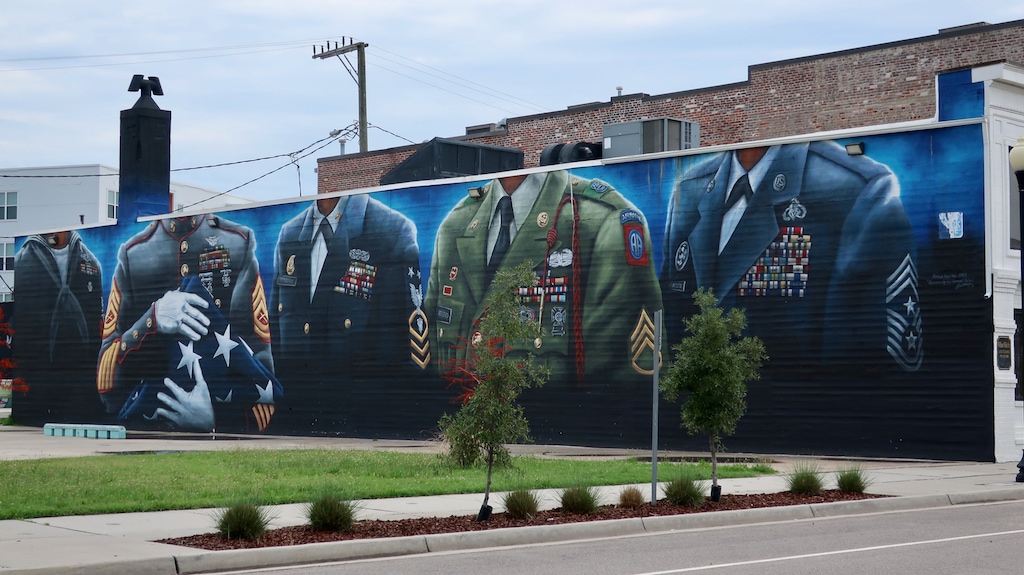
954, 280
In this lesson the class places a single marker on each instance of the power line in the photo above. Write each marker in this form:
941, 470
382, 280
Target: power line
137, 62
392, 133
463, 82
292, 160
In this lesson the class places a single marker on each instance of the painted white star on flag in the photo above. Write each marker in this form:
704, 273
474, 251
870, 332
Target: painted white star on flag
266, 393
225, 345
188, 357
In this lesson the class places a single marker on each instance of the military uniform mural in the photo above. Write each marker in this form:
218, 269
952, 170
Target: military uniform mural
350, 334
60, 293
595, 295
807, 228
169, 280
865, 276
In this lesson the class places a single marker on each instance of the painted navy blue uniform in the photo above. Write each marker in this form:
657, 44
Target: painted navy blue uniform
822, 259
352, 350
59, 310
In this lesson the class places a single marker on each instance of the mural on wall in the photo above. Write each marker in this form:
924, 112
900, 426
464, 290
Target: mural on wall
60, 292
595, 293
863, 274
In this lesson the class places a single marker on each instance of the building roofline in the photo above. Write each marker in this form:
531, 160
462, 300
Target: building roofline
965, 30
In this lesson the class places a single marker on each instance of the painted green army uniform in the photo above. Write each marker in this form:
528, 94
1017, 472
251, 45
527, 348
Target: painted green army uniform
595, 297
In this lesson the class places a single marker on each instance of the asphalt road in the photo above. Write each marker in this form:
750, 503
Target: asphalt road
974, 539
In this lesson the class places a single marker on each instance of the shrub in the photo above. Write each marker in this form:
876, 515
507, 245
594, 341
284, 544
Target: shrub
631, 498
805, 479
329, 513
580, 500
521, 504
852, 480
242, 521
686, 490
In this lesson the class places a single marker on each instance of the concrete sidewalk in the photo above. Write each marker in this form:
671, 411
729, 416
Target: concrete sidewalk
121, 543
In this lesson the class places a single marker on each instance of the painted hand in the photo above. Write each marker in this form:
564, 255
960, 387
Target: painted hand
189, 410
179, 313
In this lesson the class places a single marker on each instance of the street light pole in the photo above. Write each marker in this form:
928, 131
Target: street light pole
1017, 165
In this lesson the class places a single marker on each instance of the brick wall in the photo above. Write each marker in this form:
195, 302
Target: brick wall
880, 84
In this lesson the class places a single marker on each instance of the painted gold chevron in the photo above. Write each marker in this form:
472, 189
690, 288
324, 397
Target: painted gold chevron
418, 341
641, 343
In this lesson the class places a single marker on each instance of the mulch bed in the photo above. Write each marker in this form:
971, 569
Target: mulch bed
375, 529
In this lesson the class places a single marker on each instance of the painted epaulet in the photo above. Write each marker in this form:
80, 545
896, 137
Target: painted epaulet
598, 190
229, 226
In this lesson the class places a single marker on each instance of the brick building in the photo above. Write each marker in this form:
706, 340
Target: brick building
873, 85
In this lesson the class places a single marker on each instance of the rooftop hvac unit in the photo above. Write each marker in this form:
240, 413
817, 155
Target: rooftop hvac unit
649, 136
445, 158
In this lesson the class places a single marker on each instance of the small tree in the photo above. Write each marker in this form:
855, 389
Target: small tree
712, 365
491, 380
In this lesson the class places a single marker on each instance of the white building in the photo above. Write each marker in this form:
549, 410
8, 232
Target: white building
69, 197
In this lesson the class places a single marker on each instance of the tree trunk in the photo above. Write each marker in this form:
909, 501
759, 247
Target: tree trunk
490, 467
713, 444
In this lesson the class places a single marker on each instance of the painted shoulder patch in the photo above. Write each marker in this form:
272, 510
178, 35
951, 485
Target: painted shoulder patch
633, 235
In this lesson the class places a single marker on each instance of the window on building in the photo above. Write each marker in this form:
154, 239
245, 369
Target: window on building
9, 208
113, 197
7, 253
6, 297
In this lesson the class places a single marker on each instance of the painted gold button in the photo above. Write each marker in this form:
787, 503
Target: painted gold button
172, 226
184, 270
305, 328
440, 332
216, 302
280, 307
575, 181
542, 219
184, 246
537, 343
124, 346
149, 322
135, 334
194, 221
348, 323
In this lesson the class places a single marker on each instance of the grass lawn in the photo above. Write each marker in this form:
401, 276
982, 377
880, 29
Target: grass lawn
153, 482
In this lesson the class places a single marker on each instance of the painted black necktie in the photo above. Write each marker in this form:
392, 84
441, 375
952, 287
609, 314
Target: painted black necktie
504, 233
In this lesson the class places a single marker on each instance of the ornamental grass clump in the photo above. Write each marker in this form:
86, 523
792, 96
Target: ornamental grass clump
242, 521
631, 498
686, 490
330, 513
579, 500
806, 479
521, 504
852, 480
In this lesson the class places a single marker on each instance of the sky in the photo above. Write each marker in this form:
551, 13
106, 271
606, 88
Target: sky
241, 82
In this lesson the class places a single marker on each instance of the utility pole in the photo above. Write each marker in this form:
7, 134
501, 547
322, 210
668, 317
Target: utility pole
360, 77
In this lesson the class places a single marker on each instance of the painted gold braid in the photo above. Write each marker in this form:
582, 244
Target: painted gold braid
263, 412
108, 367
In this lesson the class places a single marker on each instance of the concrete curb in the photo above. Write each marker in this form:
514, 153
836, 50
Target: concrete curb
239, 559
155, 566
197, 562
367, 549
